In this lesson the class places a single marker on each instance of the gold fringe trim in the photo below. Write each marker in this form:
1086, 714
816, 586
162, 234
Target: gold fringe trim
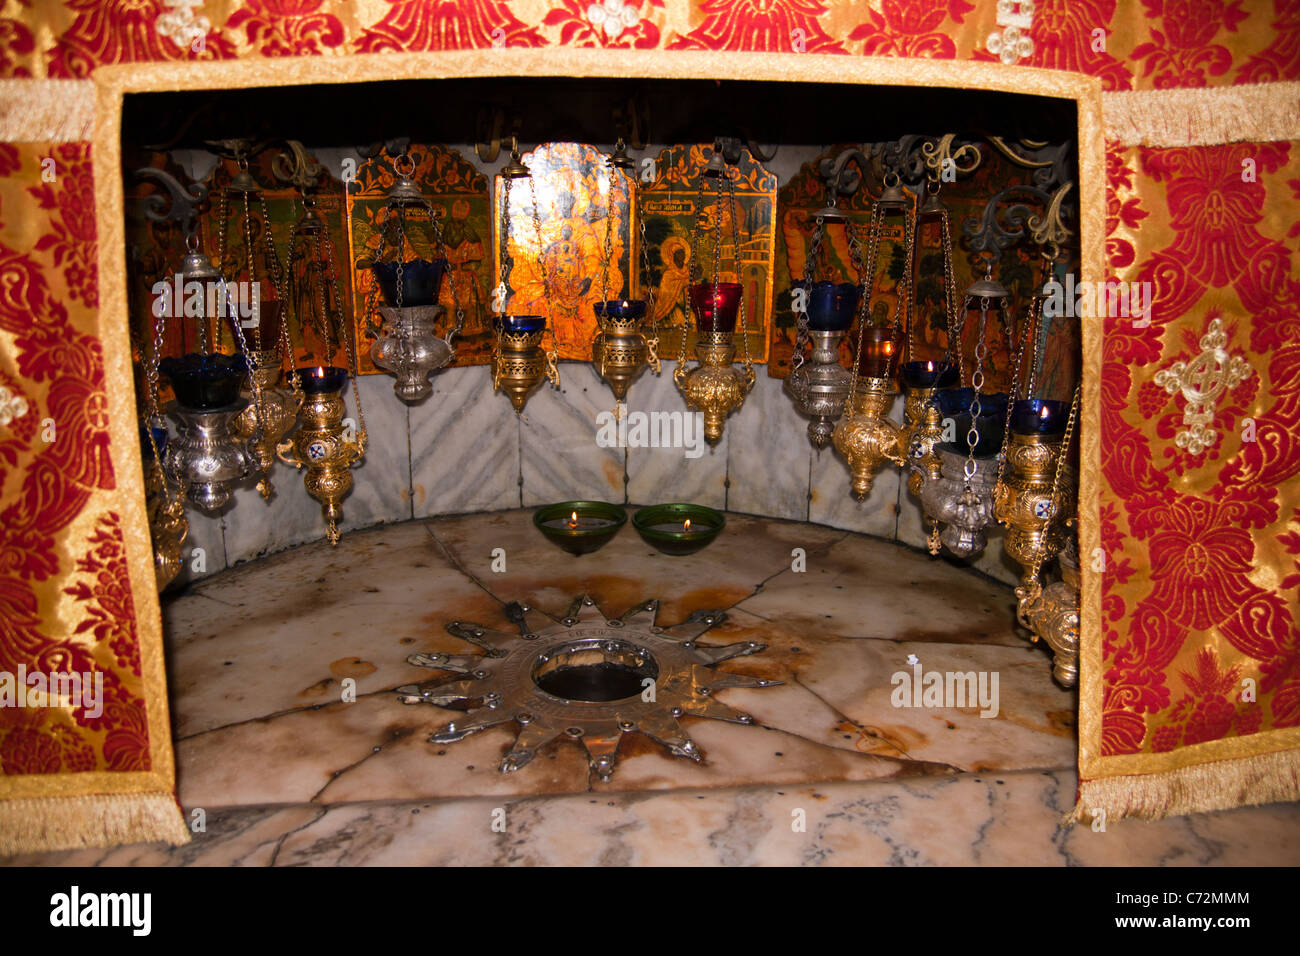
1201, 788
1251, 113
40, 824
46, 111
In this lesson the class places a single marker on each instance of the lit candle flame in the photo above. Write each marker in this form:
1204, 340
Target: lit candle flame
686, 525
1043, 413
929, 366
889, 348
573, 520
320, 371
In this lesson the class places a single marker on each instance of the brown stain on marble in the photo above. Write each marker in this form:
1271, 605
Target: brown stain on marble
676, 608
613, 473
318, 689
352, 667
891, 740
1063, 722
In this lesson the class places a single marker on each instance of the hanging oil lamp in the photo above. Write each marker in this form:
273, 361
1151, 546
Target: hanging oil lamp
1023, 501
620, 349
519, 364
923, 380
407, 343
1051, 614
820, 385
715, 386
269, 412
206, 457
326, 446
960, 502
1024, 496
322, 445
864, 435
168, 526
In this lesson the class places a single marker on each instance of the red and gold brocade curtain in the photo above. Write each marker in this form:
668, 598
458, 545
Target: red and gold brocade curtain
1197, 579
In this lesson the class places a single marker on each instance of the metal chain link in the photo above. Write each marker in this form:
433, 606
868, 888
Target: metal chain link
955, 322
441, 252
507, 263
694, 272
801, 336
652, 339
904, 304
553, 355
1011, 397
1040, 553
735, 242
874, 226
977, 382
609, 236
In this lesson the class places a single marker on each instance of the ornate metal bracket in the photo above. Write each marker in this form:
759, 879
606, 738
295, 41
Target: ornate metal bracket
295, 167
1043, 215
184, 203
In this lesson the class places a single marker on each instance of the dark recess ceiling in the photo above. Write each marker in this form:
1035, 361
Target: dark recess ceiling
560, 109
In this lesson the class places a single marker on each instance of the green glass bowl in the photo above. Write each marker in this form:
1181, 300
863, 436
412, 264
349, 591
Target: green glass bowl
552, 521
661, 527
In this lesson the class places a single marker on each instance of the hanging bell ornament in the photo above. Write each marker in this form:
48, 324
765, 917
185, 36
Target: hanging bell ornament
821, 385
322, 445
619, 350
519, 363
715, 386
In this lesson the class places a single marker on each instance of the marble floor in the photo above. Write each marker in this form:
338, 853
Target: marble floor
291, 741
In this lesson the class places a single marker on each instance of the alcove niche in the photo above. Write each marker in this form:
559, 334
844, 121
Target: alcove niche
463, 451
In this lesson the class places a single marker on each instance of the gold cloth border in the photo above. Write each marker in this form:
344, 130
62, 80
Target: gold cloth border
69, 823
1251, 113
46, 111
63, 111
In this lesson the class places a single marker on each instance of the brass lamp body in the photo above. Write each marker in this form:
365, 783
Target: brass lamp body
714, 386
321, 447
619, 352
411, 349
923, 429
1022, 502
962, 513
1052, 614
279, 411
167, 525
519, 365
866, 437
821, 385
206, 457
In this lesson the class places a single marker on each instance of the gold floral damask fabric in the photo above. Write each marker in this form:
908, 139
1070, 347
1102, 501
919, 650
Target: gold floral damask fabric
1198, 658
1196, 516
67, 601
1136, 44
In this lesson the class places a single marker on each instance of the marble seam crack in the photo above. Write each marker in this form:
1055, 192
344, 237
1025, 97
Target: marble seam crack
279, 844
284, 713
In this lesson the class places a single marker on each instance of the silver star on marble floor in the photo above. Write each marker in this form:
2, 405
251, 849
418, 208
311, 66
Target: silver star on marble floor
586, 677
